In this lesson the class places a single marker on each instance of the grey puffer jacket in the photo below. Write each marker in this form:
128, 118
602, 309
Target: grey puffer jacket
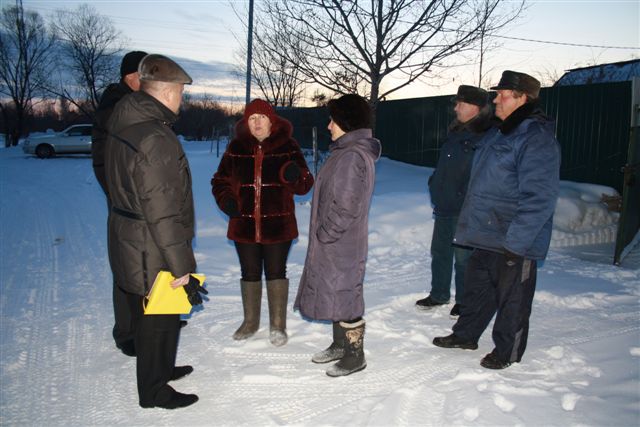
149, 182
331, 283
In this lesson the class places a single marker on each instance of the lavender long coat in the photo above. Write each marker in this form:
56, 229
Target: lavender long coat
331, 283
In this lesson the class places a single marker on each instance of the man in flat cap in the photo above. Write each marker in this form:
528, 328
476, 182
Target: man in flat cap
129, 82
151, 225
448, 186
507, 217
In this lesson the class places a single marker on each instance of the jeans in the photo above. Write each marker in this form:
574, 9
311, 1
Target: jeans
443, 253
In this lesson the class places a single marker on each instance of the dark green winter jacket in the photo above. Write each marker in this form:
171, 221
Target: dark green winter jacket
152, 220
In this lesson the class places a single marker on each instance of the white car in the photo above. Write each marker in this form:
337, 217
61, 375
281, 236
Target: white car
75, 139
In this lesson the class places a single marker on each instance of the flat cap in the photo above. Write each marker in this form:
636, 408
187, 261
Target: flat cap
159, 68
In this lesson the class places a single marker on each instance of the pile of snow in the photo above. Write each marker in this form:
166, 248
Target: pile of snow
59, 365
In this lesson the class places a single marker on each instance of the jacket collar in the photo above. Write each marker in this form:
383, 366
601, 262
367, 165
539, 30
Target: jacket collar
528, 110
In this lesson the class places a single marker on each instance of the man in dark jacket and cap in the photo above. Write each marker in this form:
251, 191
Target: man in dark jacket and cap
507, 217
151, 225
129, 82
448, 186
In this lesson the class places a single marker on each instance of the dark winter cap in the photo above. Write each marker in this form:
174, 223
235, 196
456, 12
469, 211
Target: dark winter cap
131, 61
259, 106
350, 112
159, 68
472, 95
519, 81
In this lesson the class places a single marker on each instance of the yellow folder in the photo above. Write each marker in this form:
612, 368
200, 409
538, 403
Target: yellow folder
163, 299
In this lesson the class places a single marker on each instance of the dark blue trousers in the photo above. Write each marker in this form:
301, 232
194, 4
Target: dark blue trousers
493, 287
443, 253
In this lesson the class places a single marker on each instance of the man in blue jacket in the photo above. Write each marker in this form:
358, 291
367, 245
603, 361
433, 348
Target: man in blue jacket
448, 186
507, 218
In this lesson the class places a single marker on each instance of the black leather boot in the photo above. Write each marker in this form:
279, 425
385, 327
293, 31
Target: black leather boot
335, 351
353, 360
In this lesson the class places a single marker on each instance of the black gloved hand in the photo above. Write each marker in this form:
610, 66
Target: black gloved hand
193, 290
291, 172
231, 208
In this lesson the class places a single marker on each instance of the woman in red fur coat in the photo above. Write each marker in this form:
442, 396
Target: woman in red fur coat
260, 171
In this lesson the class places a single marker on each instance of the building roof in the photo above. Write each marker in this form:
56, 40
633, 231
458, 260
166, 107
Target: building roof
603, 73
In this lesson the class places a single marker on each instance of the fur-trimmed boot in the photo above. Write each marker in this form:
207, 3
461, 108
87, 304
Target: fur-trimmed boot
251, 300
353, 360
278, 295
335, 351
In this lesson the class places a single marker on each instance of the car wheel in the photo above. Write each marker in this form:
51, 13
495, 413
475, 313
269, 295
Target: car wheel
44, 151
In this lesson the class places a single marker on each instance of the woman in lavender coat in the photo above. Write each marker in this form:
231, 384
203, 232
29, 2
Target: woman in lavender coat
331, 283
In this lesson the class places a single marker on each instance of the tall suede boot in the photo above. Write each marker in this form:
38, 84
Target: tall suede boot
353, 360
335, 351
278, 294
251, 300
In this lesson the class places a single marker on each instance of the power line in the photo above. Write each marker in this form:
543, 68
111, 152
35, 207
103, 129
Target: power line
568, 44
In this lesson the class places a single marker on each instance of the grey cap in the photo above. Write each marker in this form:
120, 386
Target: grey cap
159, 68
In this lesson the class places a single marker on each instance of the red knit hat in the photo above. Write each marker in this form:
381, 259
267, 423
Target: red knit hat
259, 106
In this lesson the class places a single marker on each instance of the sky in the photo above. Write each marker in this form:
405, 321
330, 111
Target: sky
59, 365
210, 32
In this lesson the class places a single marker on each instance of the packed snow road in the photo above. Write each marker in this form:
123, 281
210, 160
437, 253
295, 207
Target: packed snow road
60, 367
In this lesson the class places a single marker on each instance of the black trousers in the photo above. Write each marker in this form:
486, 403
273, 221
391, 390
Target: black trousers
494, 287
253, 256
156, 341
123, 328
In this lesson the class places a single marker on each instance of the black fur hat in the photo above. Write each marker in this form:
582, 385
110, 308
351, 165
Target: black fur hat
350, 112
131, 61
519, 81
472, 95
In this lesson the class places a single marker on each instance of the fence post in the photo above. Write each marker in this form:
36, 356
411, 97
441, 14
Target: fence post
314, 139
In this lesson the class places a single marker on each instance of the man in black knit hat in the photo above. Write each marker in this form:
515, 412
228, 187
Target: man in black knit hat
129, 83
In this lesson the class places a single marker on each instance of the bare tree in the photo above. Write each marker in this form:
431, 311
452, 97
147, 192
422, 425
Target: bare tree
356, 45
90, 43
26, 54
274, 71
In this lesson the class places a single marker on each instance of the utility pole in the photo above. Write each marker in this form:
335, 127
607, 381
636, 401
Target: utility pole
249, 49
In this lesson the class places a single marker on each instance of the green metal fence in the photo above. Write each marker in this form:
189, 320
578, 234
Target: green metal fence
592, 124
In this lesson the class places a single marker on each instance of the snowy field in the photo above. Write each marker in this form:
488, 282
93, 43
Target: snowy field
59, 365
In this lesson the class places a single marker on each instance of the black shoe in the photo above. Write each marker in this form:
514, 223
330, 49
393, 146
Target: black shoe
491, 361
455, 311
183, 323
181, 372
128, 348
453, 341
428, 303
168, 398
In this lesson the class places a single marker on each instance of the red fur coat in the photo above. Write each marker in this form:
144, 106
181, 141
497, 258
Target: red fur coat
251, 173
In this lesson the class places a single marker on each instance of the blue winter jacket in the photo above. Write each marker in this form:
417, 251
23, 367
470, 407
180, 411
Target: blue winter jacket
448, 183
513, 187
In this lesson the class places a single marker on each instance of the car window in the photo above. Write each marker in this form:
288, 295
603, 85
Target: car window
79, 131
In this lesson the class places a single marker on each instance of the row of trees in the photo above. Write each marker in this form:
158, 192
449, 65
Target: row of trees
373, 48
56, 73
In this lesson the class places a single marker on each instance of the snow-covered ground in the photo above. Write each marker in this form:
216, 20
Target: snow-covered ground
60, 367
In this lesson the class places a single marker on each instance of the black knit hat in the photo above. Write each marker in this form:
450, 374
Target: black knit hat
472, 95
350, 112
519, 81
131, 61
